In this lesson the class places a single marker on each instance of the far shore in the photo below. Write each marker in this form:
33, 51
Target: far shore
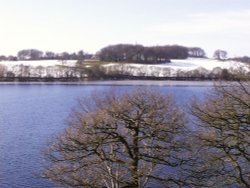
122, 83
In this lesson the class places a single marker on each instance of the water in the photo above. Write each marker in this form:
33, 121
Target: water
30, 115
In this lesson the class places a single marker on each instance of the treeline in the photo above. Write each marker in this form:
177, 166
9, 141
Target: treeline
115, 53
115, 72
152, 54
34, 54
244, 59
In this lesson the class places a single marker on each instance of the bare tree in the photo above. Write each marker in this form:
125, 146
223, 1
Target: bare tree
49, 55
3, 70
120, 140
29, 54
80, 55
224, 136
220, 54
3, 58
196, 52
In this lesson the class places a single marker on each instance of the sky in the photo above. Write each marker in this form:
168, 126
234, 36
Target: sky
89, 25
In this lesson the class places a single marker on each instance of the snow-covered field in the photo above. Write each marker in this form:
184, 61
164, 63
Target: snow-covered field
177, 67
208, 64
44, 63
41, 68
190, 64
185, 67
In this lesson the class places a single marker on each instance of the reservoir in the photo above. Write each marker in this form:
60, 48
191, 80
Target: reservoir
31, 115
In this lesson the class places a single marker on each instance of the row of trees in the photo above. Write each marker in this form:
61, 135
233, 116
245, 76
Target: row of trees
244, 59
57, 71
154, 54
98, 72
8, 58
34, 54
141, 54
121, 53
143, 139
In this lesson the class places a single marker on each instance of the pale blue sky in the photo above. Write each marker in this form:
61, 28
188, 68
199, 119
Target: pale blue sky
71, 25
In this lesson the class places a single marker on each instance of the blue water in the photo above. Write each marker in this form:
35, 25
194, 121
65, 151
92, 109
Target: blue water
31, 115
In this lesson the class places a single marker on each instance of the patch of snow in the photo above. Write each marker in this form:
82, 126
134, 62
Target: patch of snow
208, 64
177, 68
44, 63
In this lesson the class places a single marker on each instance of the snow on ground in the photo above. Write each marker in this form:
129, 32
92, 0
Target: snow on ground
41, 68
208, 64
175, 68
188, 64
184, 64
44, 63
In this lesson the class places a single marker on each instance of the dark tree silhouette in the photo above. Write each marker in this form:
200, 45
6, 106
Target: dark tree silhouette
141, 54
220, 54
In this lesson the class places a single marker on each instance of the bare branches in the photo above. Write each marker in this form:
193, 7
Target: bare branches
224, 119
140, 139
119, 140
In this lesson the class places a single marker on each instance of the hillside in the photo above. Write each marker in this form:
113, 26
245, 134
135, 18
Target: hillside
192, 67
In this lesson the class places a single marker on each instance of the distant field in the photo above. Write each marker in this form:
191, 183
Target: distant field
192, 67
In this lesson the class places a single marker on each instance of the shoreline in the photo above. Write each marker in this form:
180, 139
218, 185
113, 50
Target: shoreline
121, 83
